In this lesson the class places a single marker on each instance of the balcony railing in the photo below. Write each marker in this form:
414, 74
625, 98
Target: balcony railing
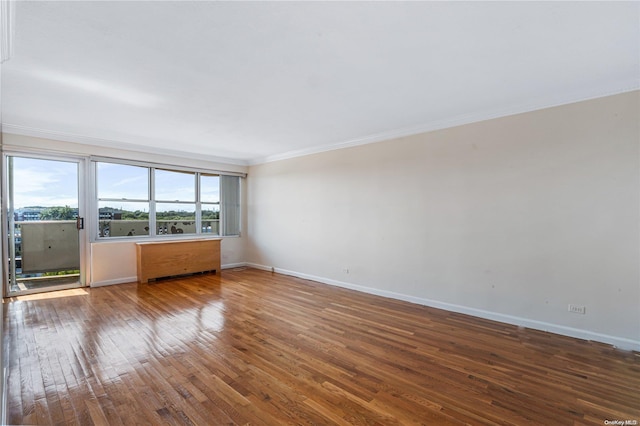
129, 228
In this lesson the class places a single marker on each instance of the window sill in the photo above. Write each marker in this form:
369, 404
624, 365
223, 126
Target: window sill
155, 239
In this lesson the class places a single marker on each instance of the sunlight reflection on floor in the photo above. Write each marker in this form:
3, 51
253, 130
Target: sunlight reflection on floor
50, 295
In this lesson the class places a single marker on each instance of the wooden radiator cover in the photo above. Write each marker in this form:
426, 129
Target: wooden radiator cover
168, 258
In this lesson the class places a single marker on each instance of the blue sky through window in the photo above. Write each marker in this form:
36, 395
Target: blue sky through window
122, 181
51, 183
45, 183
175, 186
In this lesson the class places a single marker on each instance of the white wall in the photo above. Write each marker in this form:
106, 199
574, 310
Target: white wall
511, 219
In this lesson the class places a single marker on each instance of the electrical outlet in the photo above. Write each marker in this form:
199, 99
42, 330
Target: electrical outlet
577, 309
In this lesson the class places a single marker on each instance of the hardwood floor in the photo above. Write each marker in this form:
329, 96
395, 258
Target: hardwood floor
252, 347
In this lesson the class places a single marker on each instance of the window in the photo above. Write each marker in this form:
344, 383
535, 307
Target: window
175, 201
135, 200
210, 204
123, 200
230, 189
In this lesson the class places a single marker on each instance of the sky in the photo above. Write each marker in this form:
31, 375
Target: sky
51, 183
44, 183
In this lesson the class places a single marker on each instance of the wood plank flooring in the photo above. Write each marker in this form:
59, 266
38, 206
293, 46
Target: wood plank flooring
251, 347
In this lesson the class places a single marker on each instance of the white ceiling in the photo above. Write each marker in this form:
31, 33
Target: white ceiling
251, 82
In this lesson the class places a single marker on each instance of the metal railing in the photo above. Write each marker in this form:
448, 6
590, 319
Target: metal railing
129, 228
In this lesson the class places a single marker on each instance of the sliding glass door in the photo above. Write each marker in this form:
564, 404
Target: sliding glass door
44, 220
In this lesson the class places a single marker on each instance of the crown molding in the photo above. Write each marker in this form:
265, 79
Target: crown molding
7, 17
105, 143
535, 105
539, 104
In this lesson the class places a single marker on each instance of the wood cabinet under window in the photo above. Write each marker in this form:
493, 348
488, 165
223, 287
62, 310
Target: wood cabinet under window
169, 258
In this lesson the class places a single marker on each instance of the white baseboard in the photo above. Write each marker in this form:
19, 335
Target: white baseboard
619, 342
234, 265
268, 268
114, 282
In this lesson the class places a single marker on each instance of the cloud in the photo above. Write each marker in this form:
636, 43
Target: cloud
44, 183
32, 180
127, 181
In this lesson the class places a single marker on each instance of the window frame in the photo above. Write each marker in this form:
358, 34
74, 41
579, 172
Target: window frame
153, 236
98, 200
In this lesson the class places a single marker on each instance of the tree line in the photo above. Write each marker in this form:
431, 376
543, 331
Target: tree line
68, 213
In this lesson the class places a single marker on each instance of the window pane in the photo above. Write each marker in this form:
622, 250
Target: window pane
211, 219
210, 189
175, 186
174, 218
230, 187
44, 183
120, 181
117, 219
